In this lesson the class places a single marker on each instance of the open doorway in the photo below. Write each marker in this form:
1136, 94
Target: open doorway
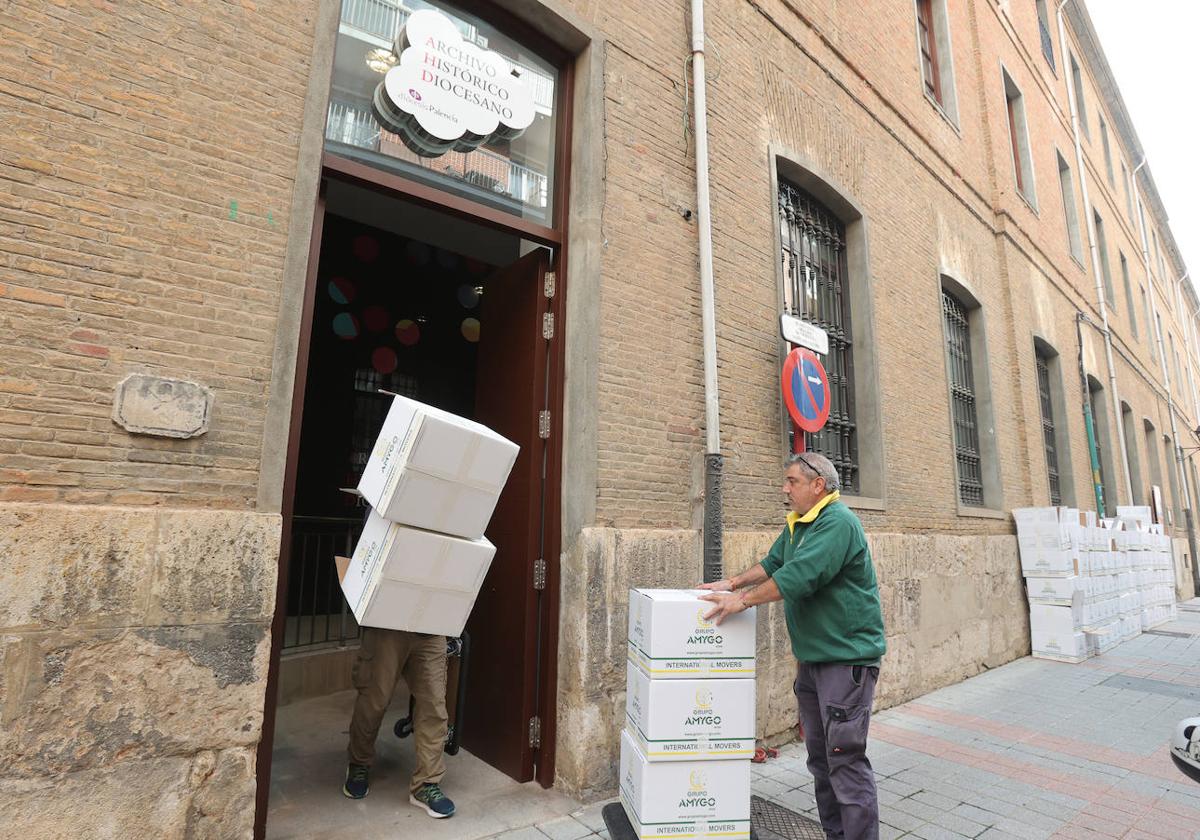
451, 313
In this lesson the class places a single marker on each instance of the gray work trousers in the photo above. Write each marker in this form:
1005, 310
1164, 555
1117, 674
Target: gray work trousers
835, 709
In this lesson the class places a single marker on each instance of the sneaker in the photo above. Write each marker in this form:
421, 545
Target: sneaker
358, 781
435, 803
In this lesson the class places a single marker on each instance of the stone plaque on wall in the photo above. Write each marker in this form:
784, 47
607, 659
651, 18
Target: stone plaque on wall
155, 405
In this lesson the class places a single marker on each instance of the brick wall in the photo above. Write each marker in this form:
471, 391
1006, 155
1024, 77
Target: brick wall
147, 155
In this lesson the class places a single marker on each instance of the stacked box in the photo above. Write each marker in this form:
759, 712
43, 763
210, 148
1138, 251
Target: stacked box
432, 481
689, 718
1091, 583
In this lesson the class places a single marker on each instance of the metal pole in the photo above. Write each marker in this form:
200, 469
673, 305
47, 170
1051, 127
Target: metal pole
1096, 265
713, 462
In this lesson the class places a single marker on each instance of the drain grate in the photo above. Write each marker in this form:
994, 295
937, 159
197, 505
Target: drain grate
768, 821
774, 822
1176, 633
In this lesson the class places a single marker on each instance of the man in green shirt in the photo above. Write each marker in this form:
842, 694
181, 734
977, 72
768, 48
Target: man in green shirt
820, 567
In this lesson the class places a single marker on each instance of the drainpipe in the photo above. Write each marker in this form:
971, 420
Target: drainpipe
1189, 520
713, 461
1088, 424
1095, 254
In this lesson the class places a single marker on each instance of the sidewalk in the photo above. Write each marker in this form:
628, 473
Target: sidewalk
1034, 749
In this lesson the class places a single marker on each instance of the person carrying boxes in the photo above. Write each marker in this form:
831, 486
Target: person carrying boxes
820, 567
432, 482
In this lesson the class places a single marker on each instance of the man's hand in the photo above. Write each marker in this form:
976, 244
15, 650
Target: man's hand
725, 585
727, 604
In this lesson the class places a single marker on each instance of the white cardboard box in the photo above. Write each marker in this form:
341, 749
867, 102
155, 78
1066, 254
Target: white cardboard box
1052, 590
1064, 647
1050, 562
1051, 619
680, 720
435, 470
684, 798
403, 578
669, 638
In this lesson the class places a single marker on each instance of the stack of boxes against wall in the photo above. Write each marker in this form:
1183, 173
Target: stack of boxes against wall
1093, 583
689, 718
433, 480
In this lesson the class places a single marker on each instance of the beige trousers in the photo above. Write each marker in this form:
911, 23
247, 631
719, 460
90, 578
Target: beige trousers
385, 656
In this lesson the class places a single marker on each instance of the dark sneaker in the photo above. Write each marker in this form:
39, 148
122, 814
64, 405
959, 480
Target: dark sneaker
358, 781
435, 803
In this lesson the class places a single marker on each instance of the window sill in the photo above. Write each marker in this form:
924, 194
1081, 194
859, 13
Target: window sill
981, 513
937, 106
1030, 203
864, 503
1078, 261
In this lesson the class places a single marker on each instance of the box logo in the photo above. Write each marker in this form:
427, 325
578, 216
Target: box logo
705, 632
697, 793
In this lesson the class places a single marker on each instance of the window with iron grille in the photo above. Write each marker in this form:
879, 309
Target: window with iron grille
816, 289
1043, 18
963, 403
927, 41
1048, 438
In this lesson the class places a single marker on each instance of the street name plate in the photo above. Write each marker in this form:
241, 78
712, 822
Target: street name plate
803, 333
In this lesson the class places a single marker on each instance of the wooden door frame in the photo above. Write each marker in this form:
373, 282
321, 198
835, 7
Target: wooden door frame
557, 237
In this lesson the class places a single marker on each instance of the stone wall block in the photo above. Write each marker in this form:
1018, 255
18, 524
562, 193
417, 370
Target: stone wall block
215, 566
73, 566
222, 805
79, 699
130, 799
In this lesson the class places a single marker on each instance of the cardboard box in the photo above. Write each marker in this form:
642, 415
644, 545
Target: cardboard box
1055, 620
434, 470
1050, 563
680, 720
1063, 647
1060, 590
403, 578
669, 638
684, 798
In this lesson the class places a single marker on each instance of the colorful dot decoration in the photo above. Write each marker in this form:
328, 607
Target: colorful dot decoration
468, 298
384, 360
408, 332
376, 318
470, 329
341, 290
365, 248
345, 326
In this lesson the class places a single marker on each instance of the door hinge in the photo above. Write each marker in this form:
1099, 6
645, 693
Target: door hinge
543, 425
547, 325
549, 285
539, 573
535, 732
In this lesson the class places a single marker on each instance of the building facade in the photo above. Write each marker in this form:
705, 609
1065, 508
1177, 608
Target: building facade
212, 257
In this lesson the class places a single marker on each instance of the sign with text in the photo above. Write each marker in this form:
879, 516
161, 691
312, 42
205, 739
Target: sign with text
446, 93
803, 334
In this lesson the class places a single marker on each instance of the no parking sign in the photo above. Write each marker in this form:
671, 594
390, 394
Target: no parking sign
806, 390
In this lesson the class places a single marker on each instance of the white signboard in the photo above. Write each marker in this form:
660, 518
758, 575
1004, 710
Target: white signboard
803, 333
446, 93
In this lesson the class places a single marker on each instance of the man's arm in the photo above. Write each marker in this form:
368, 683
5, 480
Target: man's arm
755, 574
732, 603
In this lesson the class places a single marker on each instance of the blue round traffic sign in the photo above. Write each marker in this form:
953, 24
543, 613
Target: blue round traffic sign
806, 390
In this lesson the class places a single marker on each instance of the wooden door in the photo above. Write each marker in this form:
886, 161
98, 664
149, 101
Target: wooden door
510, 395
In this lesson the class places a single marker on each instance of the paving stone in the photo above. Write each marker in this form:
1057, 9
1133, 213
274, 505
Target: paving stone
565, 828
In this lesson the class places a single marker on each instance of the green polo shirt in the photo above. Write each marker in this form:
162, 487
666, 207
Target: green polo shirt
824, 571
